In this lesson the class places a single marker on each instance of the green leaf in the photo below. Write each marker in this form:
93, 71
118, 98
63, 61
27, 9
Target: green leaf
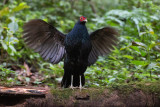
12, 48
116, 20
153, 44
4, 45
157, 60
136, 62
21, 6
126, 47
135, 48
138, 44
13, 27
27, 79
137, 24
128, 56
143, 53
152, 65
142, 33
4, 11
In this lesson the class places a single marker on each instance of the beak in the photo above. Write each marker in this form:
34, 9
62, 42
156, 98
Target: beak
85, 20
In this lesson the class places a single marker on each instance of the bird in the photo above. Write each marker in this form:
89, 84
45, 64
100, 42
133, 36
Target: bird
78, 49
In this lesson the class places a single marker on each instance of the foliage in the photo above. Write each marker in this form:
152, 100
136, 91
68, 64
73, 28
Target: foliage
136, 58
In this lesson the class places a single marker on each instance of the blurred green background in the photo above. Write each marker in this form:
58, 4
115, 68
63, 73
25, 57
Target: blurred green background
136, 58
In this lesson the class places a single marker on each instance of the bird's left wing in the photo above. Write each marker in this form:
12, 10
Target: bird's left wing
44, 39
102, 41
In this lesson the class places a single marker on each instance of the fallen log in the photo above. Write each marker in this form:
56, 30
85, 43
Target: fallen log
127, 95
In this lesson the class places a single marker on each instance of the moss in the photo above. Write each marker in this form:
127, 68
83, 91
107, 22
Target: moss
61, 93
94, 93
149, 87
127, 88
62, 96
5, 84
121, 88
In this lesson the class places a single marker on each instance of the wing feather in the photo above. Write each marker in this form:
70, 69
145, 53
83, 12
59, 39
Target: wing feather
44, 39
103, 41
55, 54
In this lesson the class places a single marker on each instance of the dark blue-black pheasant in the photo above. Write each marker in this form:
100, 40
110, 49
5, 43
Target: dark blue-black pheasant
78, 48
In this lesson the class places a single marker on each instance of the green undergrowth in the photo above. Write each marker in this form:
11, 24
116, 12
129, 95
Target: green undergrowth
135, 58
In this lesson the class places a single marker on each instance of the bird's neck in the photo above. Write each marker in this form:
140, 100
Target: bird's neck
80, 29
82, 23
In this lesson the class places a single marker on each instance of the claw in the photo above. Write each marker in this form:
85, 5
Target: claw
72, 87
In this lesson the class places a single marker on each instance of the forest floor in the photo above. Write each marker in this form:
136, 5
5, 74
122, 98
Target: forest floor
126, 95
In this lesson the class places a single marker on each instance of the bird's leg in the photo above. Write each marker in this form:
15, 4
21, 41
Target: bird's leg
72, 87
71, 82
80, 86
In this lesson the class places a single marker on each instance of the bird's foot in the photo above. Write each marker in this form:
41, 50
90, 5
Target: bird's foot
81, 88
71, 87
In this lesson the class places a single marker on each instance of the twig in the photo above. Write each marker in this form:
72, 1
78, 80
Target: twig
5, 2
92, 6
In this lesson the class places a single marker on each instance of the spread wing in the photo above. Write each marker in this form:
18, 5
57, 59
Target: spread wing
44, 39
102, 41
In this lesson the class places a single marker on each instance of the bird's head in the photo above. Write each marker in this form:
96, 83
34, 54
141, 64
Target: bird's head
83, 19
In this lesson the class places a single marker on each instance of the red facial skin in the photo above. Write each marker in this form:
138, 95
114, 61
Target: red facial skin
82, 18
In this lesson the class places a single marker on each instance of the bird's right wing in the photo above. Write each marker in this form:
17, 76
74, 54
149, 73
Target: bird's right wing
44, 39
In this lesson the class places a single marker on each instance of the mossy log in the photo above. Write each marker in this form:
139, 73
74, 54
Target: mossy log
125, 95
